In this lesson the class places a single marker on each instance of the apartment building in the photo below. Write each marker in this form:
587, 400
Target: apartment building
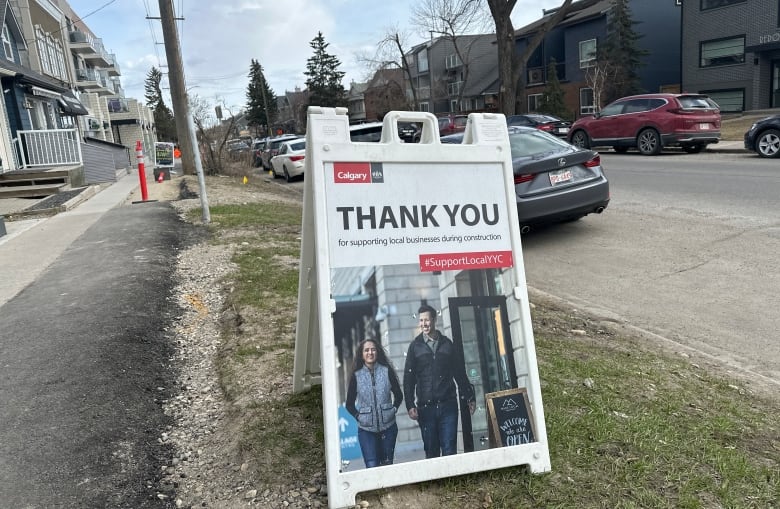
573, 44
453, 75
731, 51
60, 88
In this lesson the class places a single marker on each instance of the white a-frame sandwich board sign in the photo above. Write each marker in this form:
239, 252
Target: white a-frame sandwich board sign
397, 235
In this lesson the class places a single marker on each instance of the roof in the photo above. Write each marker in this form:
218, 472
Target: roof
580, 11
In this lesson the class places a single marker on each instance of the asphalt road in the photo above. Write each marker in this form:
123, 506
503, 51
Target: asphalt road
84, 365
688, 249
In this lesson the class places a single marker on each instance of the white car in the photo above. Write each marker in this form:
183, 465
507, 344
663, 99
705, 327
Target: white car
288, 162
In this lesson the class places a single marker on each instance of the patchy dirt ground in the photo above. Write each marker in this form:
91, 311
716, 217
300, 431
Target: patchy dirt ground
211, 466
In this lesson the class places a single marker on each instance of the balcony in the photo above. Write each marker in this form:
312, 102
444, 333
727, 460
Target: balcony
117, 105
113, 67
94, 80
90, 48
539, 75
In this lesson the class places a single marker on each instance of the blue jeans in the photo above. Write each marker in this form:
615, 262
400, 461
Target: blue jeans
439, 428
378, 448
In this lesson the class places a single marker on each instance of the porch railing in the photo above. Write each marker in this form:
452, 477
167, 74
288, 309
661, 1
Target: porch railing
51, 147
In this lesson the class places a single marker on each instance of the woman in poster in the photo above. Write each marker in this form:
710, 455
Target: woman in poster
373, 397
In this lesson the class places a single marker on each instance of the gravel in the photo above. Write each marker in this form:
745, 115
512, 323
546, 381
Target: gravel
207, 469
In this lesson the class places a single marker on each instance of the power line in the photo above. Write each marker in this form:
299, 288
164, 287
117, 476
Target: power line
75, 21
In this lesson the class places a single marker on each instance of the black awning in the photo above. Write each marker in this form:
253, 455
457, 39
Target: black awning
760, 48
70, 105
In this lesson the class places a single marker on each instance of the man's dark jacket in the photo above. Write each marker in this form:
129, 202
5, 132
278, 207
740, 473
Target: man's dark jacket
434, 376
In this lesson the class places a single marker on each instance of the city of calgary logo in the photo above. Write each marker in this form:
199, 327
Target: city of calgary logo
358, 173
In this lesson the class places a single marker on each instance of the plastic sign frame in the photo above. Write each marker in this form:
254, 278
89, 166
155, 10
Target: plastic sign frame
413, 208
163, 155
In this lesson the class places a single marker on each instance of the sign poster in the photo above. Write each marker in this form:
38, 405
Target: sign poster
163, 155
411, 262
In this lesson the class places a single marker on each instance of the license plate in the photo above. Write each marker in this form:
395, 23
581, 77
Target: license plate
704, 126
563, 130
560, 176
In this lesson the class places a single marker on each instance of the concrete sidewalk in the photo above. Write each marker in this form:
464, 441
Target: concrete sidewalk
728, 147
31, 245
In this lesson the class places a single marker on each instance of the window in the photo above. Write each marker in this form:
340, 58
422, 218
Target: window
454, 88
587, 53
50, 54
712, 4
534, 102
722, 52
452, 61
7, 45
587, 105
422, 61
422, 107
728, 100
454, 105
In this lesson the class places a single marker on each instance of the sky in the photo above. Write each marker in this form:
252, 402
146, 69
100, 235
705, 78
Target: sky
219, 39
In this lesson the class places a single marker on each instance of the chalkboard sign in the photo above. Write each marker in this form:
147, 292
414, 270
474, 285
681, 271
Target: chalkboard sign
163, 155
510, 421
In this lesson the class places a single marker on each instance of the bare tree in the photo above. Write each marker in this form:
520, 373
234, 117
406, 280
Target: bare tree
450, 20
598, 77
511, 66
211, 139
390, 53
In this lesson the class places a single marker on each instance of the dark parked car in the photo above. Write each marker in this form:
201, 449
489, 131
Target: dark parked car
409, 131
763, 137
271, 147
451, 124
549, 123
554, 180
651, 122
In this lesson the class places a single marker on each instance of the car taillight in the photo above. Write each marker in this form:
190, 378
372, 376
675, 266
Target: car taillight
525, 177
296, 158
596, 161
545, 127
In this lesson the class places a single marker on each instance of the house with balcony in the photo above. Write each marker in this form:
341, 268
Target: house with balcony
573, 45
731, 52
39, 104
58, 123
452, 74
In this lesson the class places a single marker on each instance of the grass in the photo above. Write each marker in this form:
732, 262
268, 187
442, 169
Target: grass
629, 425
734, 128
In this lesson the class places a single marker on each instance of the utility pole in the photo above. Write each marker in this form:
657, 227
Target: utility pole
176, 80
181, 110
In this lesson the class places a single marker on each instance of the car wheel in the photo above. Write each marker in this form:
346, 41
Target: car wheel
287, 176
648, 142
580, 139
768, 144
620, 150
693, 149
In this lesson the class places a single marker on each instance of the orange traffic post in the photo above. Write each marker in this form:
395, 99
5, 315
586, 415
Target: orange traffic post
139, 152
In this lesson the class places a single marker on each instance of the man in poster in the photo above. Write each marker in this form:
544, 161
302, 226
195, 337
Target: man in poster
434, 366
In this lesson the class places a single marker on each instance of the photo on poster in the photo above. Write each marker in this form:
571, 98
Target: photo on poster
383, 316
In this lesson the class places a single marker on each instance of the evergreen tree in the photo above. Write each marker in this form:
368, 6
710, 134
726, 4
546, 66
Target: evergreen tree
261, 109
324, 78
621, 50
553, 99
163, 117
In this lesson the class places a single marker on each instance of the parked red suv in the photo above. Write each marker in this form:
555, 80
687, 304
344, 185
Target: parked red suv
651, 122
451, 124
